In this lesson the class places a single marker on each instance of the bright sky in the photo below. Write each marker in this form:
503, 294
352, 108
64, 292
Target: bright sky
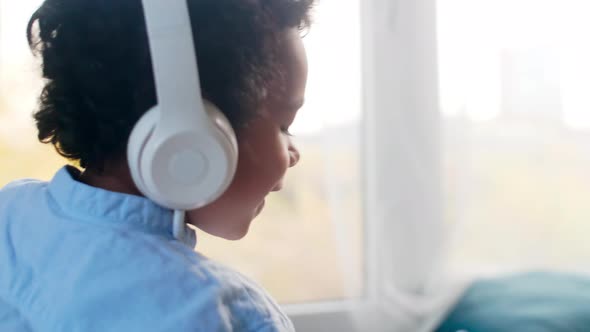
473, 32
471, 35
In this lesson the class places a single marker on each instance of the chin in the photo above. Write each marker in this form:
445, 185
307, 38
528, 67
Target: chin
235, 237
235, 233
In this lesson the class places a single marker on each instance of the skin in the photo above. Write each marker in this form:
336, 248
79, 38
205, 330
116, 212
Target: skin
266, 152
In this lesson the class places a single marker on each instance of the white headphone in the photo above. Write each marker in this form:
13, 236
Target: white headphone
182, 153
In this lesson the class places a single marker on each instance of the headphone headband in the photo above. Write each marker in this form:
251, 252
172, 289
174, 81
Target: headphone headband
176, 74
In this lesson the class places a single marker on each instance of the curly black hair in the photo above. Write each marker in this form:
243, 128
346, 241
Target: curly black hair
98, 70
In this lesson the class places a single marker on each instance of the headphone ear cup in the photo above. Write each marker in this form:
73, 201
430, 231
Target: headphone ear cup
154, 171
140, 135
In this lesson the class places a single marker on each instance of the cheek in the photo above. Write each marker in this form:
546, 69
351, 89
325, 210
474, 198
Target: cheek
284, 160
265, 162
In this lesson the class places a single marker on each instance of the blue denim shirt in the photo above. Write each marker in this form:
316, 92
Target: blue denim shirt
78, 258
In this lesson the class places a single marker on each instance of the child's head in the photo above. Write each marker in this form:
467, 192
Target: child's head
99, 82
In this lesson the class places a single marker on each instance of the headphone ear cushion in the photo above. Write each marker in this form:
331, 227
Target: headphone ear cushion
223, 125
138, 139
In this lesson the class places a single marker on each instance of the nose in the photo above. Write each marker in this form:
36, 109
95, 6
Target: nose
293, 155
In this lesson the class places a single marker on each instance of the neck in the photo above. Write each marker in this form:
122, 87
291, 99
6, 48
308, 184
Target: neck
114, 177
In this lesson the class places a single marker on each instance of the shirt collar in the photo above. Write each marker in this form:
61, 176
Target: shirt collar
87, 203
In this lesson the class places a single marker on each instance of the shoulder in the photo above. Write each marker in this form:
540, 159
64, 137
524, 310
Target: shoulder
18, 186
160, 286
19, 193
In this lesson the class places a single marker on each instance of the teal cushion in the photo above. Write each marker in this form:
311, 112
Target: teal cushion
532, 302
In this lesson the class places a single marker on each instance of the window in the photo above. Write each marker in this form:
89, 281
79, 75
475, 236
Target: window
513, 79
19, 88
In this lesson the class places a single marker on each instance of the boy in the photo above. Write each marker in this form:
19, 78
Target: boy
86, 251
